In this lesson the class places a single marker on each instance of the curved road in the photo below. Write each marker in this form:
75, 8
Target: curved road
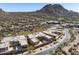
65, 38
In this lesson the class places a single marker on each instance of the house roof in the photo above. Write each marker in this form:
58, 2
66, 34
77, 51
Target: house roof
3, 45
33, 38
22, 39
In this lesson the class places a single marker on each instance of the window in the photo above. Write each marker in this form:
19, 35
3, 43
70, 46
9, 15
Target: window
3, 49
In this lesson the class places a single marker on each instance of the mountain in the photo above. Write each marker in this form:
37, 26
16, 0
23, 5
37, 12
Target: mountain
49, 11
21, 22
53, 9
58, 10
2, 12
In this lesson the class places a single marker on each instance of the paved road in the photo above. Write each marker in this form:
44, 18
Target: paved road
65, 38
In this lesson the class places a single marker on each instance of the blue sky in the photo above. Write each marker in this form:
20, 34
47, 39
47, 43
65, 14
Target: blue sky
14, 7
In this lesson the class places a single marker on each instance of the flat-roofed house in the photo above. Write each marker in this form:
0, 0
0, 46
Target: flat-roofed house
47, 36
53, 35
33, 40
15, 45
44, 38
50, 33
3, 48
22, 40
17, 42
7, 39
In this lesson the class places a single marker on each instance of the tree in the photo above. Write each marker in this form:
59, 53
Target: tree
30, 49
72, 35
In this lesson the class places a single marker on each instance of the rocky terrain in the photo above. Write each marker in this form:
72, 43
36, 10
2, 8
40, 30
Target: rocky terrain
14, 23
